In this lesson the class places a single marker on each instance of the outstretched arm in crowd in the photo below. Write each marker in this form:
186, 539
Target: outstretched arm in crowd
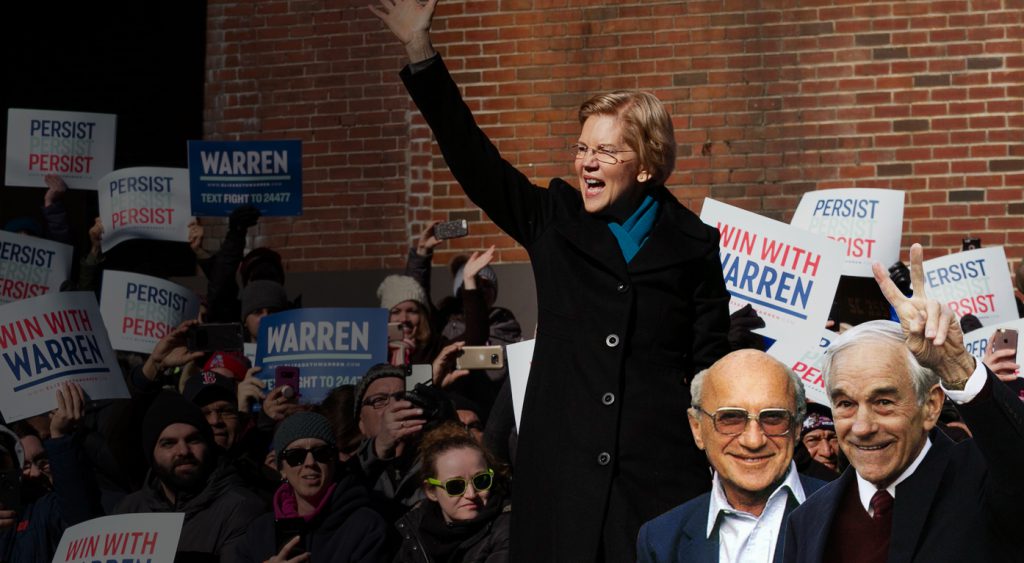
54, 212
77, 494
222, 290
417, 265
92, 263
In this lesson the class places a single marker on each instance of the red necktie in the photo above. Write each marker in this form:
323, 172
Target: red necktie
881, 505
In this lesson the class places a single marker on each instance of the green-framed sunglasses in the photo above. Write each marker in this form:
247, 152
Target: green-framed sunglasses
456, 486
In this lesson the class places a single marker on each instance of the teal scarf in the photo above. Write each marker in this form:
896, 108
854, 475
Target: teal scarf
632, 234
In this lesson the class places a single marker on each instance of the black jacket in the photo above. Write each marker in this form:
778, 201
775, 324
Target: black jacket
215, 519
603, 444
346, 530
961, 504
490, 544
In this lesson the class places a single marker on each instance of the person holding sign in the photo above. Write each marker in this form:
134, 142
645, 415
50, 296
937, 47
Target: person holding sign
631, 303
911, 494
320, 514
31, 530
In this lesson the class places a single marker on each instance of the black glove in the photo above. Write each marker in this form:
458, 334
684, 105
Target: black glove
741, 323
243, 217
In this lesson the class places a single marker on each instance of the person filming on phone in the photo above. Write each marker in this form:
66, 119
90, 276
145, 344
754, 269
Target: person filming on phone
631, 303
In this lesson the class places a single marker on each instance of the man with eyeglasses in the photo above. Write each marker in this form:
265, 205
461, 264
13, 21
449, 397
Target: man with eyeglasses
911, 493
391, 428
746, 415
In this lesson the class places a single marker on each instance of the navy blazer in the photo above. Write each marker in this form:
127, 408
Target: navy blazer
680, 534
961, 504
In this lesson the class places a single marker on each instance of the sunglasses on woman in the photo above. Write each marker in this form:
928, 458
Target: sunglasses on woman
321, 454
456, 486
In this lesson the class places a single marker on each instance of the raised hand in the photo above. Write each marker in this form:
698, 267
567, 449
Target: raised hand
444, 365
399, 421
70, 409
931, 329
57, 189
477, 261
96, 235
427, 240
410, 22
170, 351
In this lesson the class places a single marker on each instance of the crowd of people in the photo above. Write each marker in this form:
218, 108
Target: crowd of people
654, 426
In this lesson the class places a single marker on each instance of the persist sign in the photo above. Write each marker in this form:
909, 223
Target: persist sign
79, 147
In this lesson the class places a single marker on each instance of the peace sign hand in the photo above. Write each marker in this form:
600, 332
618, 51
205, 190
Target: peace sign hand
931, 329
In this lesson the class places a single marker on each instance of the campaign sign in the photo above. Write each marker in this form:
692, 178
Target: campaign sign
977, 341
48, 340
868, 223
975, 282
78, 147
139, 310
226, 174
150, 537
787, 274
331, 347
145, 202
806, 361
31, 266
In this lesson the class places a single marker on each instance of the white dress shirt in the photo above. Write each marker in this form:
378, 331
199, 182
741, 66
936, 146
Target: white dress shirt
744, 537
975, 383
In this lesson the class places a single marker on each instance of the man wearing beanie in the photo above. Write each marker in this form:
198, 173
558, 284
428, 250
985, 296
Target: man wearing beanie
259, 299
817, 453
187, 476
391, 428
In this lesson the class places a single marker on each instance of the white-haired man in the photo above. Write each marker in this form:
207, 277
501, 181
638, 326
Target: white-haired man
911, 494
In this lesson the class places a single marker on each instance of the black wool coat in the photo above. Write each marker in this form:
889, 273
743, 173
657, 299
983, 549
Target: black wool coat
604, 443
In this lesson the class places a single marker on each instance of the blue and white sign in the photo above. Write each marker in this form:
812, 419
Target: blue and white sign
48, 340
331, 347
226, 174
868, 223
975, 282
788, 275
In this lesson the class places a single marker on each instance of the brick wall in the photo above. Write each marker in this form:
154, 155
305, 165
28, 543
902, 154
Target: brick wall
770, 99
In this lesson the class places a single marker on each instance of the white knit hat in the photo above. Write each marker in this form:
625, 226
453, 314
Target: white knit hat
396, 289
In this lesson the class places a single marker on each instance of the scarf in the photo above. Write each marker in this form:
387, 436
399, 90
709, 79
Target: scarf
632, 233
441, 540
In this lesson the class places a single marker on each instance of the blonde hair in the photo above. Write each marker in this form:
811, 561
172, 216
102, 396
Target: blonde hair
647, 128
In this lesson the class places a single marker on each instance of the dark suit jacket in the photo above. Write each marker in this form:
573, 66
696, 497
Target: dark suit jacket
961, 504
603, 443
680, 535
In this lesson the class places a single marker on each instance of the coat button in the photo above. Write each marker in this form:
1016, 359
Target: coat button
622, 287
604, 458
608, 399
612, 340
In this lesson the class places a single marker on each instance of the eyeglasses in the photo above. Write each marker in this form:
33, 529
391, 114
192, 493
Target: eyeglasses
321, 454
383, 399
732, 421
456, 486
226, 413
602, 154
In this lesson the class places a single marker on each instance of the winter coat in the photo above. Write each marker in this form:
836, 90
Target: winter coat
216, 518
345, 530
603, 443
489, 545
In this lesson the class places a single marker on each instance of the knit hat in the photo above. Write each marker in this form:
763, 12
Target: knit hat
263, 294
819, 417
376, 372
487, 273
209, 386
234, 362
261, 264
303, 424
169, 408
396, 289
26, 224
